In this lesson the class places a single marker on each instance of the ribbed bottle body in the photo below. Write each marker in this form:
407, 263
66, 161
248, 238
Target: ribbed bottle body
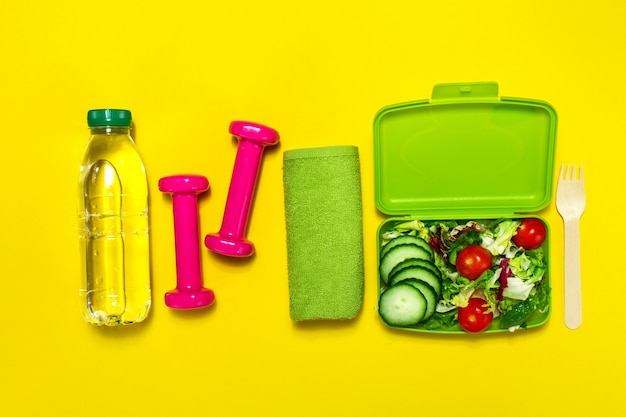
113, 226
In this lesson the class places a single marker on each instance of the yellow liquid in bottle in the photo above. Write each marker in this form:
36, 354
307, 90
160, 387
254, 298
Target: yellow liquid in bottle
113, 231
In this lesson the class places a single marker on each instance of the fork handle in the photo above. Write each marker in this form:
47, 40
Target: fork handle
573, 299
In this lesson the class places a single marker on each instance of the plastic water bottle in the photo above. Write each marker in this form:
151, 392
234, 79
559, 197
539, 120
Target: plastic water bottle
113, 223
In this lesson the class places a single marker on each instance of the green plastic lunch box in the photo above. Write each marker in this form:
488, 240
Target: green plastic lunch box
466, 153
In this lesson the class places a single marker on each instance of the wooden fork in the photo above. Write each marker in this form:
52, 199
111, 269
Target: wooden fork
570, 203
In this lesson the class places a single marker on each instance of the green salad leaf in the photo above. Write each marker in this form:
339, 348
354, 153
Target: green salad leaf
497, 240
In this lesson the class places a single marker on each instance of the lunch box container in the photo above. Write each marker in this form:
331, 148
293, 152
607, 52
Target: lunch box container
464, 154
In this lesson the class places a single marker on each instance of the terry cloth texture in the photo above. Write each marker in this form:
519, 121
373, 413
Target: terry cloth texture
324, 223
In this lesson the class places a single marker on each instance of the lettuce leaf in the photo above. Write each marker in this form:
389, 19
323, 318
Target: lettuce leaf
528, 265
498, 239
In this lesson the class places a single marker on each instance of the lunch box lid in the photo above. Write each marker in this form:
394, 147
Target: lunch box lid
466, 151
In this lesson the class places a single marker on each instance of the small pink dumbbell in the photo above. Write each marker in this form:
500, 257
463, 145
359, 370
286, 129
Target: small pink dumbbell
253, 138
189, 292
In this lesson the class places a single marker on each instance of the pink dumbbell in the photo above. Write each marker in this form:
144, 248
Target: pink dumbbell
189, 292
253, 138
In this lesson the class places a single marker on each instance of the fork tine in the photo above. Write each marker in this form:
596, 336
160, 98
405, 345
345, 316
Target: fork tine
580, 173
571, 171
561, 172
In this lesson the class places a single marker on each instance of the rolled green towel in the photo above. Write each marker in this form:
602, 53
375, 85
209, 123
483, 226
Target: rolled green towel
324, 222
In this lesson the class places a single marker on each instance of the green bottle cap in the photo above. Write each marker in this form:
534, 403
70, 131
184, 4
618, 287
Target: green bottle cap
109, 117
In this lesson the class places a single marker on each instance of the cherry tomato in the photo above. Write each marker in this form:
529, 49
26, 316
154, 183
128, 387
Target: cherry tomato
474, 318
472, 261
530, 234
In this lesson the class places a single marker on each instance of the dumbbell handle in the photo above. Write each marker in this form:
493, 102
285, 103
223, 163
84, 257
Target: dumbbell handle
186, 237
241, 191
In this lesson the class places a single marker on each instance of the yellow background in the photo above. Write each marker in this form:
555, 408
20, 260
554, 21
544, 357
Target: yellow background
317, 72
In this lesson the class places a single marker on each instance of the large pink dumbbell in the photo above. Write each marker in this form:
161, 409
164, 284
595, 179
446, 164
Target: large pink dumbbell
189, 292
253, 138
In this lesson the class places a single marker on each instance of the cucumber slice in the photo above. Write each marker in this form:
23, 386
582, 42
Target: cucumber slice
415, 262
398, 254
402, 305
419, 273
429, 294
407, 240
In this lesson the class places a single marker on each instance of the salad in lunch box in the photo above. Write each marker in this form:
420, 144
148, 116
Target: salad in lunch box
473, 276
